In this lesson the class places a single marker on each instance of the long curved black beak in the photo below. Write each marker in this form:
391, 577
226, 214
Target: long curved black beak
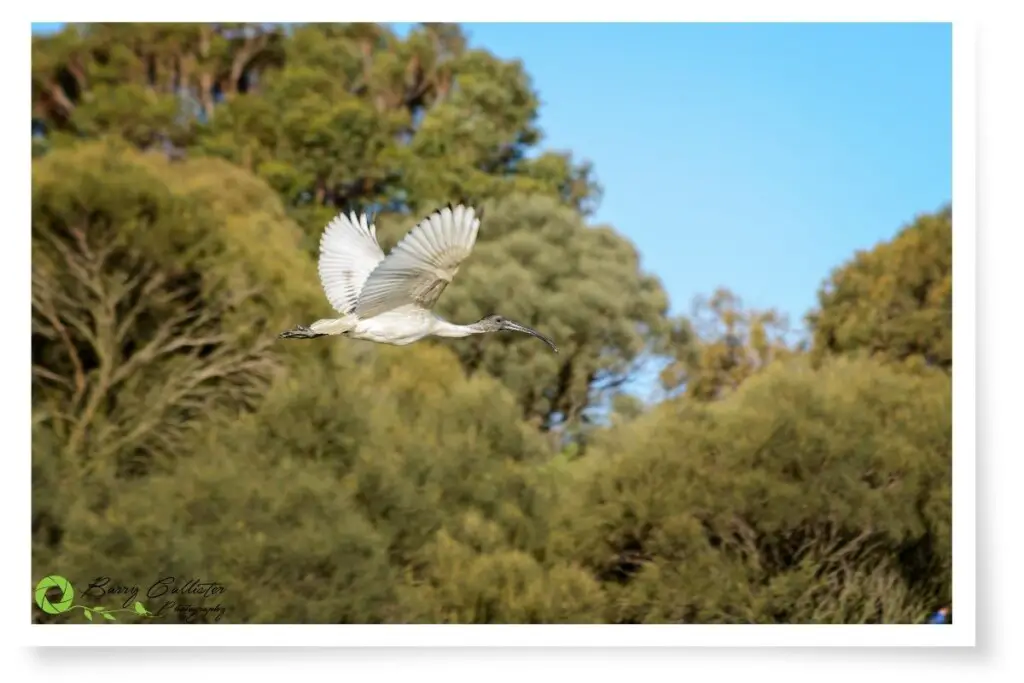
516, 327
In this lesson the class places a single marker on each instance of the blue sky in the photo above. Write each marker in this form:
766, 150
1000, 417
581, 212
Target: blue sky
754, 156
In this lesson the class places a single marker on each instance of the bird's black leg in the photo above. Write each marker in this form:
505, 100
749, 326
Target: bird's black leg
300, 332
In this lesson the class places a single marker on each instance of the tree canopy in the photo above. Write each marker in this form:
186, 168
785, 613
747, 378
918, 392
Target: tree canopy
181, 177
894, 302
353, 117
331, 116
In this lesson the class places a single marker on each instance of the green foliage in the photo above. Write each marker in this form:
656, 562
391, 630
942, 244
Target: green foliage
339, 117
720, 345
540, 265
333, 116
177, 199
806, 496
894, 302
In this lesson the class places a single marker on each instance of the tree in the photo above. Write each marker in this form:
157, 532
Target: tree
144, 81
894, 301
154, 300
720, 345
807, 496
538, 263
333, 116
162, 411
349, 117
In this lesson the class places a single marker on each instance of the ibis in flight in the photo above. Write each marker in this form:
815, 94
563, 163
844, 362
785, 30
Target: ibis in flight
388, 299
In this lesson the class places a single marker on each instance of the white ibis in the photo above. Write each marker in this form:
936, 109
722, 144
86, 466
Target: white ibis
388, 300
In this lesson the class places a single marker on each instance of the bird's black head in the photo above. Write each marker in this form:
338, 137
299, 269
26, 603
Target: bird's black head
498, 323
494, 322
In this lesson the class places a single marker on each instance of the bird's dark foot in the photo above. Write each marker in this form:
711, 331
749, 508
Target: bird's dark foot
300, 332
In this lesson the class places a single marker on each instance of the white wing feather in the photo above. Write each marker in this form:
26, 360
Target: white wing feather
348, 254
420, 266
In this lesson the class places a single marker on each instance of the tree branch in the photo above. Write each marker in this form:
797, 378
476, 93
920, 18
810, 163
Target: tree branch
249, 50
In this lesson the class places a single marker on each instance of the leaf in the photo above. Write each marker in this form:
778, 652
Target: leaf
108, 616
140, 609
98, 609
88, 614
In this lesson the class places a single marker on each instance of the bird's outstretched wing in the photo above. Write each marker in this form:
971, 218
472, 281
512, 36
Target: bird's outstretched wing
420, 266
348, 254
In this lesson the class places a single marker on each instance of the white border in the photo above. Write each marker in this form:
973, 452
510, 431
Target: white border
960, 633
964, 330
525, 635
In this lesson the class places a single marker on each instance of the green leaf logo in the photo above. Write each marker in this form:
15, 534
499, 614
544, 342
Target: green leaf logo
63, 603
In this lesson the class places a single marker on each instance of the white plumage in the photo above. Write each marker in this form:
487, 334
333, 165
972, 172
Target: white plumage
388, 299
348, 254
